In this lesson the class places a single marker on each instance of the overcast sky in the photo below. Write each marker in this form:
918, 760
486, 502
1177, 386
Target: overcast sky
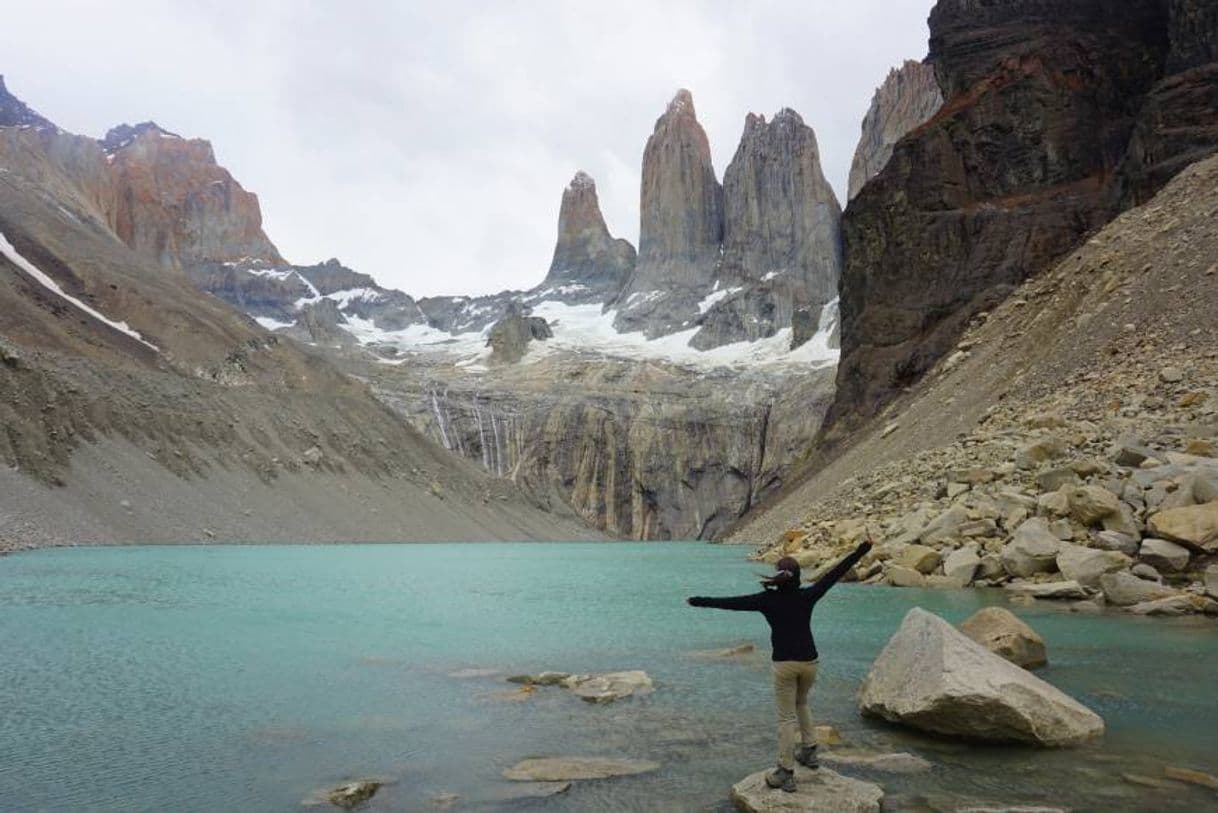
428, 143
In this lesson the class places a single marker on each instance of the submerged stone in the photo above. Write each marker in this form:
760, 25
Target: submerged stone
565, 769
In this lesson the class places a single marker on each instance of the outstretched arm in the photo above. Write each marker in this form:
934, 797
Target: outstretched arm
841, 569
752, 602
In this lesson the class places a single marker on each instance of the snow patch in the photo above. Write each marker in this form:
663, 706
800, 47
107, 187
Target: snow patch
715, 296
272, 324
345, 298
6, 248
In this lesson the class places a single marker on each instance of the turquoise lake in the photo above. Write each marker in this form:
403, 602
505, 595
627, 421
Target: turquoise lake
245, 678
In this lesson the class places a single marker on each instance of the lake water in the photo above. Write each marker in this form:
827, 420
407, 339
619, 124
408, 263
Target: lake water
245, 678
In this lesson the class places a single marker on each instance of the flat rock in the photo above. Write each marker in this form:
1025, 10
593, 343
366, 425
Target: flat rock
1205, 780
1211, 580
934, 678
1126, 589
1055, 591
567, 769
901, 762
609, 687
822, 790
1002, 632
1180, 604
1192, 525
1163, 555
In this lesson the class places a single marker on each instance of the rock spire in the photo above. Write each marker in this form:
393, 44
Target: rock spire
586, 254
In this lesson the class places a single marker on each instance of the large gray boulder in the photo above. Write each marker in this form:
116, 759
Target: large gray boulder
824, 789
1086, 565
1163, 555
961, 565
1002, 632
1032, 550
934, 678
1192, 525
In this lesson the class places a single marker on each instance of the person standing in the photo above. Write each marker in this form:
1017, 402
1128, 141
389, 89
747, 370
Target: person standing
787, 608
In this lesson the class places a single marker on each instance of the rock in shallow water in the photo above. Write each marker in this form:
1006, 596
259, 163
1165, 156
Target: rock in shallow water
566, 769
932, 677
1002, 632
1126, 589
819, 790
353, 793
887, 763
609, 687
1055, 591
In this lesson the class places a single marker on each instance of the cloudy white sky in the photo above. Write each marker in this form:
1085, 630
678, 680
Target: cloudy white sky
428, 143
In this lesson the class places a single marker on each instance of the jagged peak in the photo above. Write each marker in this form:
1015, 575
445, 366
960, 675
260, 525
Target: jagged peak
789, 115
582, 181
755, 124
124, 134
16, 113
682, 104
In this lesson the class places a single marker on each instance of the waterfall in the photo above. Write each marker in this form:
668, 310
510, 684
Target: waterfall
486, 456
435, 406
498, 448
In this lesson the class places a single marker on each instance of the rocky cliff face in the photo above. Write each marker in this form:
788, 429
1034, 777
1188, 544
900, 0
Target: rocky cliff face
1043, 100
681, 225
782, 249
585, 254
177, 206
640, 450
907, 99
1177, 125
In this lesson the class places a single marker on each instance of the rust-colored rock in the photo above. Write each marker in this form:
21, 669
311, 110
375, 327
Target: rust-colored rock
177, 206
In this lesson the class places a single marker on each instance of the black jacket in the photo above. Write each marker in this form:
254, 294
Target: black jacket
788, 610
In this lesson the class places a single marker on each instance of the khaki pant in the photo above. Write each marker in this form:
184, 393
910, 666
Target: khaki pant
792, 682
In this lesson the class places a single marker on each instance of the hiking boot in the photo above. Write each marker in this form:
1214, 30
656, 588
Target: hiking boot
806, 755
781, 779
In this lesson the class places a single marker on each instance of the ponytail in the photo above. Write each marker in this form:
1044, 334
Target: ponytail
785, 576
